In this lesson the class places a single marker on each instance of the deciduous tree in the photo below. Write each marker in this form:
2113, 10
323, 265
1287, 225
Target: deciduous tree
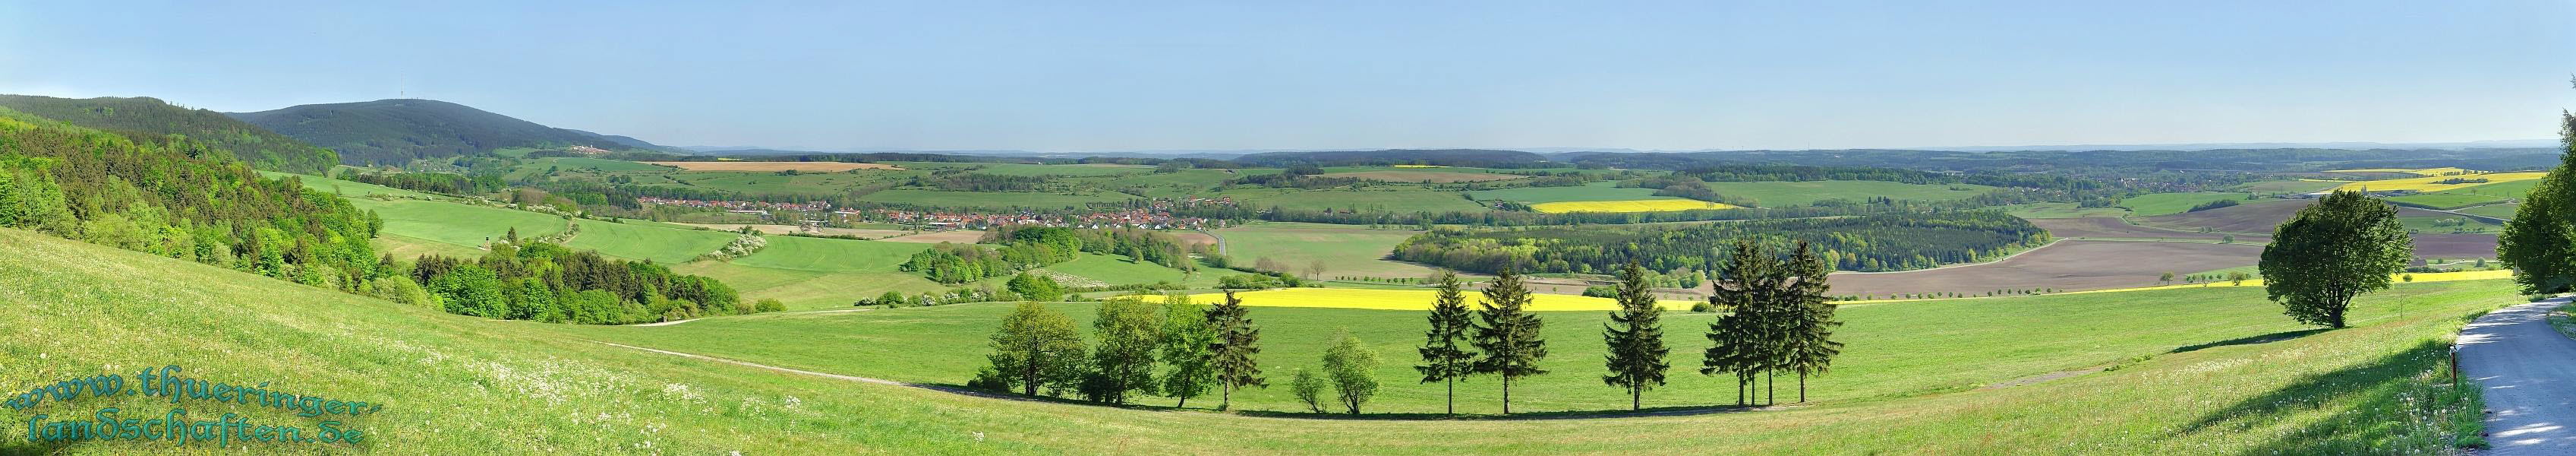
2344, 245
1349, 364
1037, 347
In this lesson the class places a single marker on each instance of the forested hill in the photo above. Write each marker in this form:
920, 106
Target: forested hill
1443, 157
143, 117
397, 131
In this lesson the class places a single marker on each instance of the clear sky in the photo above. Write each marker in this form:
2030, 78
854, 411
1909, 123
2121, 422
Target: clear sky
1090, 76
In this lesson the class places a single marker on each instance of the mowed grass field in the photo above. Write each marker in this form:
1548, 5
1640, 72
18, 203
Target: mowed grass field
1345, 250
2202, 372
458, 224
1120, 270
831, 255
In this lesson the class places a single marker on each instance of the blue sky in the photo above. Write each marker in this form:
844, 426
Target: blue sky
1089, 76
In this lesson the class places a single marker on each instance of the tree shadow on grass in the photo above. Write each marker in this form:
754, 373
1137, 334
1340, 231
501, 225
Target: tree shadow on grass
2368, 407
1207, 407
2251, 340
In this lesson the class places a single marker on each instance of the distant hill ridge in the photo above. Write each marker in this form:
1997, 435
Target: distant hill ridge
259, 147
1442, 157
399, 130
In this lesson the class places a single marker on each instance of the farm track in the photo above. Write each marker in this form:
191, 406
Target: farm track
2521, 362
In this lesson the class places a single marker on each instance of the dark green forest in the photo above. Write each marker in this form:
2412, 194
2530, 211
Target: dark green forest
394, 132
1865, 243
146, 118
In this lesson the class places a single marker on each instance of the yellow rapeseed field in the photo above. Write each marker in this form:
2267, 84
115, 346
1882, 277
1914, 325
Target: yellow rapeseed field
2426, 184
1629, 206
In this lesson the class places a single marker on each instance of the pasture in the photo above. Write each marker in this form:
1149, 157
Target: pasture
1345, 250
345, 188
1101, 270
806, 289
2036, 211
2502, 211
1652, 205
2200, 371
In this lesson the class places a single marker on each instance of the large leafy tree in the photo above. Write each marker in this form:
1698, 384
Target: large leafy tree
1187, 341
1811, 338
1348, 365
1037, 347
1635, 335
1238, 342
1130, 330
2344, 245
1508, 335
1444, 358
2540, 242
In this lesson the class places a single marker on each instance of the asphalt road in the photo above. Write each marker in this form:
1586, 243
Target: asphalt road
2529, 372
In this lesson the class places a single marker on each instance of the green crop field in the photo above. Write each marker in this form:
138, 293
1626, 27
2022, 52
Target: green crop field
456, 223
774, 183
831, 255
2457, 224
2173, 203
2504, 211
1596, 191
1784, 194
1393, 198
1345, 250
2447, 200
534, 166
995, 200
2201, 371
662, 245
809, 290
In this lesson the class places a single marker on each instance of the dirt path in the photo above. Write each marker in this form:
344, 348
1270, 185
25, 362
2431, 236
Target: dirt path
2530, 386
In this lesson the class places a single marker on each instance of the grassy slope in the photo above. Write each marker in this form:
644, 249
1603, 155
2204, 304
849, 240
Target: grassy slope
1345, 250
831, 255
1896, 349
343, 187
459, 224
1119, 270
459, 385
662, 245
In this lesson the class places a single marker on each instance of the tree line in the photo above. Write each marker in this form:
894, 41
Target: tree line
1865, 243
521, 279
1778, 321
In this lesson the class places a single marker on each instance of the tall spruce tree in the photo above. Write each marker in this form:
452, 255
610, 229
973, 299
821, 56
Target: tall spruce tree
2344, 245
1444, 359
1635, 335
1740, 338
1509, 335
1812, 345
1238, 342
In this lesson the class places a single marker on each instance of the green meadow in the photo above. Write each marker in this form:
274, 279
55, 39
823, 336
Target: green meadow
1381, 197
831, 255
636, 241
1784, 194
2197, 371
1596, 191
457, 223
2447, 200
1345, 250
